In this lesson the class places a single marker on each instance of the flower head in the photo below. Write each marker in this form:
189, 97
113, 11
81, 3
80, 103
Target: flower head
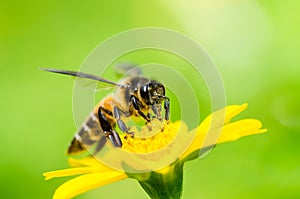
160, 181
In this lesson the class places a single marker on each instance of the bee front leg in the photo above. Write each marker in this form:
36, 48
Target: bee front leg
120, 123
156, 110
136, 105
167, 108
107, 127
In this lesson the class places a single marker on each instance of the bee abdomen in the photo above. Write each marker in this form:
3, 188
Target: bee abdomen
75, 146
88, 134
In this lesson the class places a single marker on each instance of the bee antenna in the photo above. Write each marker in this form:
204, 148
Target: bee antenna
83, 75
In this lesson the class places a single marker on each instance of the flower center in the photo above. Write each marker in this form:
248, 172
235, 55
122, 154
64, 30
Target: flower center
159, 139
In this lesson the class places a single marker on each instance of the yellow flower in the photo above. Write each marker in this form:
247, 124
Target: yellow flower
216, 128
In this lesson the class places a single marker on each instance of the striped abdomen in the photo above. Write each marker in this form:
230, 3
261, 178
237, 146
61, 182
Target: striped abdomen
89, 133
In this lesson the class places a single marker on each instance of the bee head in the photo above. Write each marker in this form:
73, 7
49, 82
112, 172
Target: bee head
152, 93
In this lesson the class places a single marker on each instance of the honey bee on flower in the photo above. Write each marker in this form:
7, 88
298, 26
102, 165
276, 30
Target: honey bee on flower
135, 95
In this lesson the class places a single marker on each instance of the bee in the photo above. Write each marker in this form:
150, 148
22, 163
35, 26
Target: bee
134, 95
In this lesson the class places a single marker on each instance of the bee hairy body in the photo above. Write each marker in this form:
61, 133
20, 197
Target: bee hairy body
133, 96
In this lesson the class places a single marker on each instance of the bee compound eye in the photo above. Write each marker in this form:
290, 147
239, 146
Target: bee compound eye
144, 93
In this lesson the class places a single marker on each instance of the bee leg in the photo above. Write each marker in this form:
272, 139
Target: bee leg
100, 144
156, 109
120, 123
167, 108
107, 128
135, 102
115, 139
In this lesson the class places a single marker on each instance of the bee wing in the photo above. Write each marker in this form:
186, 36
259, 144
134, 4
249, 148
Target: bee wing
89, 134
97, 86
128, 69
88, 78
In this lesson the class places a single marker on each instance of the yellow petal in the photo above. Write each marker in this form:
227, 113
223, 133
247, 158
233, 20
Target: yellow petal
233, 110
222, 116
213, 125
89, 162
68, 172
86, 182
241, 128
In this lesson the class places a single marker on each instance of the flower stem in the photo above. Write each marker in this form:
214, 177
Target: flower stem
165, 186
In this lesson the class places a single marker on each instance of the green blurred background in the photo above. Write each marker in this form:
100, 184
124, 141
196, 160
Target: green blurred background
255, 45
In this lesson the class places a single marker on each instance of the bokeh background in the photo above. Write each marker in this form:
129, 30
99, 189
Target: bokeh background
255, 45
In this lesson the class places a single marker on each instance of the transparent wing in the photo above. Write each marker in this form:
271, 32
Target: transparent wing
94, 85
128, 69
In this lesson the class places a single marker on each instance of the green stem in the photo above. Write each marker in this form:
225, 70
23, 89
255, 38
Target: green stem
165, 186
